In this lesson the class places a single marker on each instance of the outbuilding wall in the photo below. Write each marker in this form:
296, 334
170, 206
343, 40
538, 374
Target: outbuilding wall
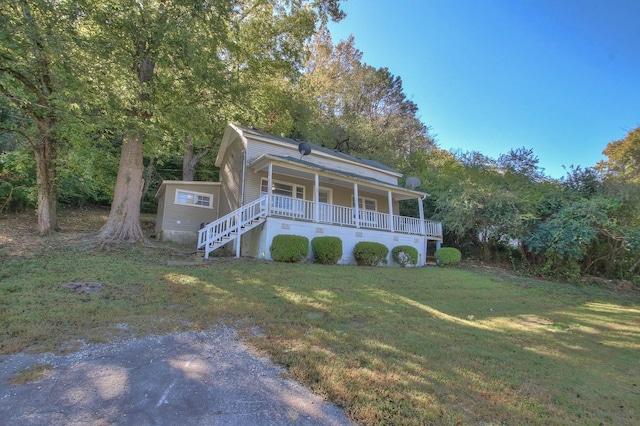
181, 223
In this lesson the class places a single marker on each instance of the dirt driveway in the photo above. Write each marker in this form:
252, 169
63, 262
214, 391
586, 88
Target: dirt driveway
194, 378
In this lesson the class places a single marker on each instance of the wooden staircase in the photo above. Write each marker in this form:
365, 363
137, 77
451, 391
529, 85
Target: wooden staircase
229, 227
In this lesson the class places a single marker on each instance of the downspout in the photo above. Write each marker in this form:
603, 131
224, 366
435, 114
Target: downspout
244, 169
422, 228
421, 210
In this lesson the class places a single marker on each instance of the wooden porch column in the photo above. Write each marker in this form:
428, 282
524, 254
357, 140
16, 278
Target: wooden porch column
316, 199
390, 212
356, 209
238, 240
269, 185
421, 210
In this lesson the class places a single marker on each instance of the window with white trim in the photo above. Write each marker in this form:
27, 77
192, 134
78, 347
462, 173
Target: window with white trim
196, 199
283, 188
366, 203
325, 195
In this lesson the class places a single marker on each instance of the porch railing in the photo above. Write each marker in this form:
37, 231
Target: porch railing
222, 230
340, 215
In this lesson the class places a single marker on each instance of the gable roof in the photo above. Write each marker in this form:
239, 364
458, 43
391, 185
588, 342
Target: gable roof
258, 134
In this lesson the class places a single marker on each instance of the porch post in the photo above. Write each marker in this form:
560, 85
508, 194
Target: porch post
356, 209
238, 241
421, 210
269, 185
390, 212
316, 199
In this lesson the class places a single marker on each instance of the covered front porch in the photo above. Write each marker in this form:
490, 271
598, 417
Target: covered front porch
331, 214
304, 191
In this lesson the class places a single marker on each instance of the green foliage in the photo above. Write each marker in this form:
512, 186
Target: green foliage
17, 181
327, 250
405, 255
289, 248
87, 172
623, 158
448, 256
369, 253
586, 237
356, 108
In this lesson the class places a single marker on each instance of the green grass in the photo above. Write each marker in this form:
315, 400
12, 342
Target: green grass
389, 345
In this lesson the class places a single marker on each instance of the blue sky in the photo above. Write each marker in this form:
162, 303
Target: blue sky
561, 77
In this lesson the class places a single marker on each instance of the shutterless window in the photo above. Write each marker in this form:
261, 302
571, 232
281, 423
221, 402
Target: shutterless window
366, 203
197, 199
325, 195
284, 189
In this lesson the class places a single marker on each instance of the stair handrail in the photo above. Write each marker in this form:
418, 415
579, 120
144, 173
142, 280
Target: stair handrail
231, 222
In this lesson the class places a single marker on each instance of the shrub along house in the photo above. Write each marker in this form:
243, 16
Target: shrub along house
270, 185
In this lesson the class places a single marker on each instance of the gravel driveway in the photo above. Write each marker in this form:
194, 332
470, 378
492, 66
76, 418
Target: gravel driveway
203, 378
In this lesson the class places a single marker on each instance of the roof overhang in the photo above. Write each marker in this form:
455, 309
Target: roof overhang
230, 134
304, 169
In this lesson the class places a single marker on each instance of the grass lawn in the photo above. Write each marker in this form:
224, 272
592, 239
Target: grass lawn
389, 345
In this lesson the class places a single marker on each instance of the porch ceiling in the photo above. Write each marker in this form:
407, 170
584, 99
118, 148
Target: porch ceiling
301, 169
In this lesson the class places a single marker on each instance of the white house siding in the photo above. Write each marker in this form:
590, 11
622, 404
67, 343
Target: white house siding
231, 177
179, 222
349, 236
252, 185
257, 148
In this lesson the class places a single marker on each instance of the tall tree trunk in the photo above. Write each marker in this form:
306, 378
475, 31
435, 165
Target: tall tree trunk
123, 223
190, 159
45, 155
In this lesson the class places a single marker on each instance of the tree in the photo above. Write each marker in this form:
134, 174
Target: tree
581, 182
34, 79
359, 110
157, 59
139, 48
522, 162
623, 160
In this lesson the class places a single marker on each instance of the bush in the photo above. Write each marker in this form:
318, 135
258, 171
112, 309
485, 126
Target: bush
289, 248
370, 254
405, 255
448, 256
327, 250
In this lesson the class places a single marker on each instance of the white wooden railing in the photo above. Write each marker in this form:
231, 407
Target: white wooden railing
222, 230
340, 215
230, 226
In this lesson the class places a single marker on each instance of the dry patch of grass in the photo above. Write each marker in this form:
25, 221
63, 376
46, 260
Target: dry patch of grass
30, 374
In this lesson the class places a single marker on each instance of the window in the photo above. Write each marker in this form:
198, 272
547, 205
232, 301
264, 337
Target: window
288, 198
366, 204
284, 189
325, 195
197, 199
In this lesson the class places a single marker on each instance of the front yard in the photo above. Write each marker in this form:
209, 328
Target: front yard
389, 345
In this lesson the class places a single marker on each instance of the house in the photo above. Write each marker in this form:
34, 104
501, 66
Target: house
270, 185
